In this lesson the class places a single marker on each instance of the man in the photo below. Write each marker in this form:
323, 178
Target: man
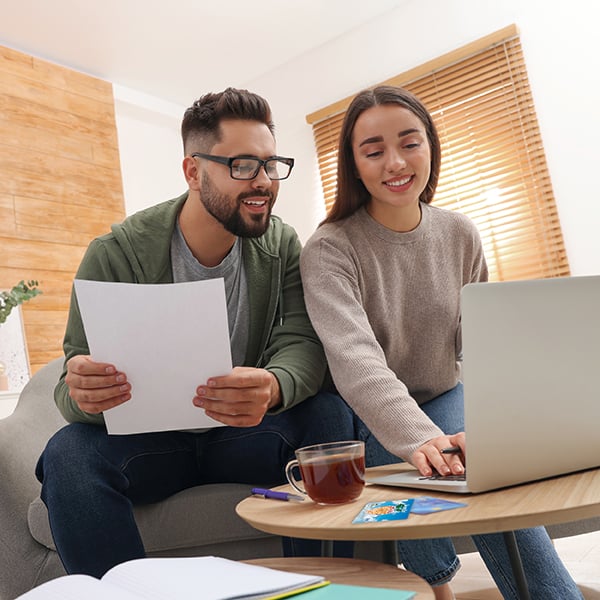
270, 402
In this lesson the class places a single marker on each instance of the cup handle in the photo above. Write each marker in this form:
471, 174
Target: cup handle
290, 477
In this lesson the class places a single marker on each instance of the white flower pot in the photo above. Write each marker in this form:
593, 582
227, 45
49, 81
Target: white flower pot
13, 351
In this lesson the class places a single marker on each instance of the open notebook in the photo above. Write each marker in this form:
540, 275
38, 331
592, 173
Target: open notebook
531, 364
206, 577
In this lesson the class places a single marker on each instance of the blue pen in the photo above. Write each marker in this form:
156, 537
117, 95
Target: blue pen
277, 495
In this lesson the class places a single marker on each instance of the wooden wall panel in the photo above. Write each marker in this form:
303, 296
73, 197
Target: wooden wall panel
60, 185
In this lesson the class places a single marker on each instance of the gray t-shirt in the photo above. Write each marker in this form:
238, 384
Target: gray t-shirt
187, 268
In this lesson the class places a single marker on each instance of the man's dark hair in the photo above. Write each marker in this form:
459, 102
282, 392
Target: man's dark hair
201, 121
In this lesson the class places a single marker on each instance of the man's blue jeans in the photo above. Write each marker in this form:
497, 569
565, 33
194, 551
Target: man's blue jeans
91, 480
436, 561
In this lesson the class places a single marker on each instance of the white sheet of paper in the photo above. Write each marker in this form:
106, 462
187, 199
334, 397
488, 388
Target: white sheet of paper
167, 338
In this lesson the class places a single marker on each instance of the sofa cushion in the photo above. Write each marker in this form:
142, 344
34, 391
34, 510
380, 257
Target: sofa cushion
195, 517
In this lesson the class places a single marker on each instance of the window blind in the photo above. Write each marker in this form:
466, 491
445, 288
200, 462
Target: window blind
493, 163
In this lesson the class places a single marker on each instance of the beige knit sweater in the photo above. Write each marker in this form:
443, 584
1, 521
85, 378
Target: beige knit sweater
386, 306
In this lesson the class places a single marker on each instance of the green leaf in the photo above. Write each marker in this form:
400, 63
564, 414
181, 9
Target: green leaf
17, 295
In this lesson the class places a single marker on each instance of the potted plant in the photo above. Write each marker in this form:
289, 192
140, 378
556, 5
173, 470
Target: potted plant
17, 295
8, 300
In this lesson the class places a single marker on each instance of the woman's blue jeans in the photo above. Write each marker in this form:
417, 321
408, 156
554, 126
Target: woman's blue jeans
436, 561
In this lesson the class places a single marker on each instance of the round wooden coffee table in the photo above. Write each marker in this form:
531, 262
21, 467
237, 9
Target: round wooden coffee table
557, 500
352, 571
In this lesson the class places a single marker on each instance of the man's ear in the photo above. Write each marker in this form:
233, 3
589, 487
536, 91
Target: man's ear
191, 172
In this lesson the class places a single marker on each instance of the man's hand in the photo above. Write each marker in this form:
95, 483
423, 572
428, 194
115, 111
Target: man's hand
96, 387
241, 398
429, 456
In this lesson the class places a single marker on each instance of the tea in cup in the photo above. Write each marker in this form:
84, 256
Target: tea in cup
332, 473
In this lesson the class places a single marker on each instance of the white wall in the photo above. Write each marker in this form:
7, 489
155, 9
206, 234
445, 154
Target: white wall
560, 46
150, 148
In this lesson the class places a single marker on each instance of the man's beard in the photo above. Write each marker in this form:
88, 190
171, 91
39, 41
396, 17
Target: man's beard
228, 212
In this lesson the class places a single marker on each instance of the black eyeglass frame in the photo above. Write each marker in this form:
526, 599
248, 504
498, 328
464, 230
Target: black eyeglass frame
228, 161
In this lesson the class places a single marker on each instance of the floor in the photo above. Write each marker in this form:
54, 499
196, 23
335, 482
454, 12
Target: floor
581, 555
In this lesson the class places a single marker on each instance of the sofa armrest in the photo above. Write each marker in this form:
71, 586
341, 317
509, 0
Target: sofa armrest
23, 436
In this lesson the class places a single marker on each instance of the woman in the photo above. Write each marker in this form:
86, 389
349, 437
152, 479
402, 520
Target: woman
382, 277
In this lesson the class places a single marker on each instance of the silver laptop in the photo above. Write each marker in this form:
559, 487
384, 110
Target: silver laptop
531, 374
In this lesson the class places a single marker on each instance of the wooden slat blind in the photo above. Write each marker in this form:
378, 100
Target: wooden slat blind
493, 162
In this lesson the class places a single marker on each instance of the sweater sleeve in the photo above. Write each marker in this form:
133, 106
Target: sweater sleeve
356, 359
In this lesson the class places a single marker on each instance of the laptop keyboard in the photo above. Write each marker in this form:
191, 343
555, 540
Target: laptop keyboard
438, 477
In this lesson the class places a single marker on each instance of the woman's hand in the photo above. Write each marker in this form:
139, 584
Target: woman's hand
428, 457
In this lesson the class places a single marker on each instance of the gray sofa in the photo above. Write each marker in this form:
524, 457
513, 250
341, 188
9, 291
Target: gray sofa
197, 521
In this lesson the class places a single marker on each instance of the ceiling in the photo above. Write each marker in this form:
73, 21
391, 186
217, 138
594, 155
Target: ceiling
179, 50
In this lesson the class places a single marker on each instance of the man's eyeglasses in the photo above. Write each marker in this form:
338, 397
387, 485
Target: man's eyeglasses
247, 167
